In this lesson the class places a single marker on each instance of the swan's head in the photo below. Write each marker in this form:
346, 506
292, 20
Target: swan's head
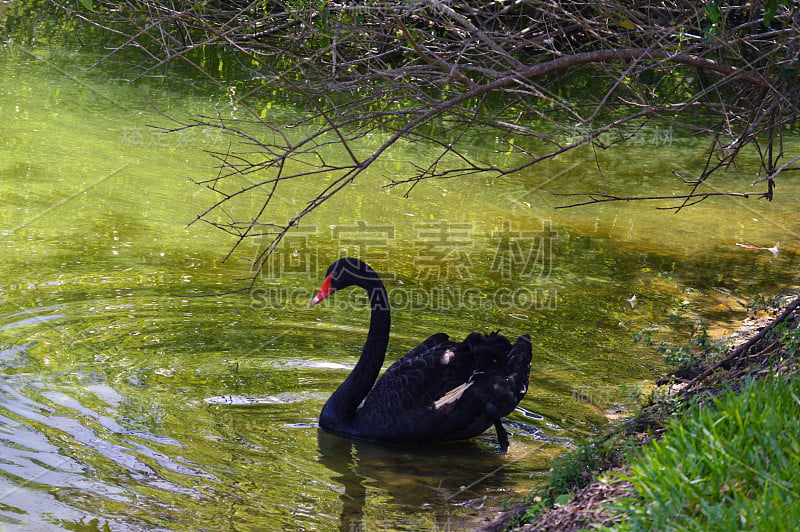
343, 273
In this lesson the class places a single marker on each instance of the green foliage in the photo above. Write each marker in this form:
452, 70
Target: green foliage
37, 21
732, 466
759, 302
771, 9
535, 508
712, 18
685, 356
573, 470
788, 334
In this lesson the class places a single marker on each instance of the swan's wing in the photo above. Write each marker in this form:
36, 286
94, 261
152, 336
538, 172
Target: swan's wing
424, 375
430, 342
443, 390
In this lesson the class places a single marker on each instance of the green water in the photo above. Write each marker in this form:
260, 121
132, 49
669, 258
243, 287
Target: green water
126, 404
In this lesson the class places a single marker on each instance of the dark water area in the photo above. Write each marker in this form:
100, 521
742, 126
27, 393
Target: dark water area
128, 404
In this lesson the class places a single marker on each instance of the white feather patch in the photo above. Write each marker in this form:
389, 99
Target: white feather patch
452, 396
447, 356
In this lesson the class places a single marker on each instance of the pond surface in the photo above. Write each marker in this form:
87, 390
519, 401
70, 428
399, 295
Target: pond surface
125, 404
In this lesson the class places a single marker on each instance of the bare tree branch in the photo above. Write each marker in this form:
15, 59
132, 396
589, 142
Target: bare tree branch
545, 77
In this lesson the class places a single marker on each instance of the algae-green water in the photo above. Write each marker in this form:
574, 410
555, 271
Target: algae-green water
126, 404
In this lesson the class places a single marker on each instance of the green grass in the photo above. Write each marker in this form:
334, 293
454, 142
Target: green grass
733, 465
571, 472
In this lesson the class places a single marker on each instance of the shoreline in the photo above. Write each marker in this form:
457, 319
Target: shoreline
744, 354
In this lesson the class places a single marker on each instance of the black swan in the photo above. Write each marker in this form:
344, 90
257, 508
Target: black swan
440, 391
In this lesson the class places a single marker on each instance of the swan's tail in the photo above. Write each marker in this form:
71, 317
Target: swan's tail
488, 350
510, 376
518, 364
507, 384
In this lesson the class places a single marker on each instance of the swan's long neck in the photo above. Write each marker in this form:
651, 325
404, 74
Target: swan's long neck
341, 407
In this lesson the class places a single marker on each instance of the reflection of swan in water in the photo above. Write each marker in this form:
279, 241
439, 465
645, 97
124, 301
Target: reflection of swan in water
442, 476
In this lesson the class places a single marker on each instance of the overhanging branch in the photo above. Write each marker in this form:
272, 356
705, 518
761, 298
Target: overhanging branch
535, 74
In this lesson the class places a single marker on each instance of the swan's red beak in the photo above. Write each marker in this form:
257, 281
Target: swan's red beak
324, 291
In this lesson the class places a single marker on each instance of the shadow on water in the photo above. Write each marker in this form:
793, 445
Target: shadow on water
451, 478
